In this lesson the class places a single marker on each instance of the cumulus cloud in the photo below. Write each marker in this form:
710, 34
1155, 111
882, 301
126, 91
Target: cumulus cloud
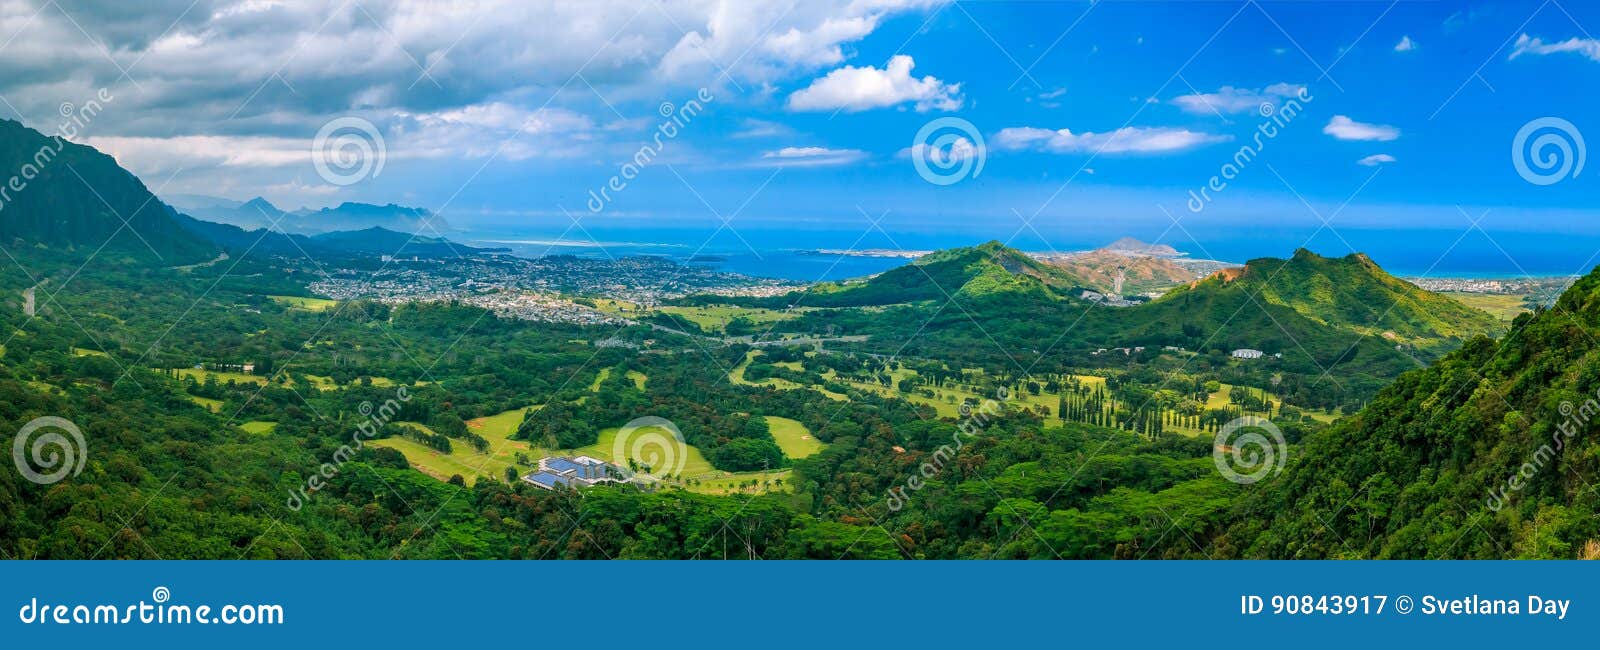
166, 155
247, 83
1405, 44
810, 157
493, 129
1375, 159
854, 88
1587, 47
1129, 139
475, 131
1344, 128
958, 150
1236, 100
808, 36
279, 68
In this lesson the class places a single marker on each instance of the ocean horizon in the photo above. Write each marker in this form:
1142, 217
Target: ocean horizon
794, 254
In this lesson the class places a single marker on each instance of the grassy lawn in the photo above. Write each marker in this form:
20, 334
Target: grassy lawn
258, 426
499, 426
793, 438
463, 459
223, 377
694, 462
713, 318
946, 401
469, 464
940, 401
737, 375
730, 483
213, 405
307, 304
85, 352
1503, 307
638, 378
442, 466
1219, 400
622, 308
604, 374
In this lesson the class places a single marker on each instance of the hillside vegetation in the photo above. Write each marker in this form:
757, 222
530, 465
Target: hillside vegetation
1431, 467
78, 202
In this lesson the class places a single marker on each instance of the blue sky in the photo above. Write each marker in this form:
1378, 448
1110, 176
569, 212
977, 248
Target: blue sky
506, 116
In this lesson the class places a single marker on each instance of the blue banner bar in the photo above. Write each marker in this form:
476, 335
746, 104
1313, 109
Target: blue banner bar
795, 604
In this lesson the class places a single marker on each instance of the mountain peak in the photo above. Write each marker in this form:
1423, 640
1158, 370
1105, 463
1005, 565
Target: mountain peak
261, 204
1132, 246
1352, 291
57, 213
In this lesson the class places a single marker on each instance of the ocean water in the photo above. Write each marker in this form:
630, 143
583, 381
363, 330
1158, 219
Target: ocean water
789, 253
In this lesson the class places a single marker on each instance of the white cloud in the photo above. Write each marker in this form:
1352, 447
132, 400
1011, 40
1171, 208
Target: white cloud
1405, 44
148, 155
492, 129
820, 46
478, 131
1375, 159
857, 89
231, 84
254, 66
1130, 139
754, 128
807, 36
1344, 128
1236, 100
1588, 47
810, 157
1048, 99
961, 149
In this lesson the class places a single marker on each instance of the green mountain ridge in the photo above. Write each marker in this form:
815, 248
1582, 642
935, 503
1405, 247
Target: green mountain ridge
1350, 292
1343, 327
990, 268
1490, 452
74, 200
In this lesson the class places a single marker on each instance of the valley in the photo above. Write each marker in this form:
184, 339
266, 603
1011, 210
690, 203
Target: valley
425, 393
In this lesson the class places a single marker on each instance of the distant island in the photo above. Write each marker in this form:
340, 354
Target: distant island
1131, 246
865, 252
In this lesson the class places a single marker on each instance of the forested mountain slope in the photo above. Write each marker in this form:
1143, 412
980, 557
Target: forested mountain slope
73, 199
1490, 452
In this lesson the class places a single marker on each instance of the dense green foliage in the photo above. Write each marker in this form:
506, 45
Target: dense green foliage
1343, 327
147, 356
1491, 452
79, 201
